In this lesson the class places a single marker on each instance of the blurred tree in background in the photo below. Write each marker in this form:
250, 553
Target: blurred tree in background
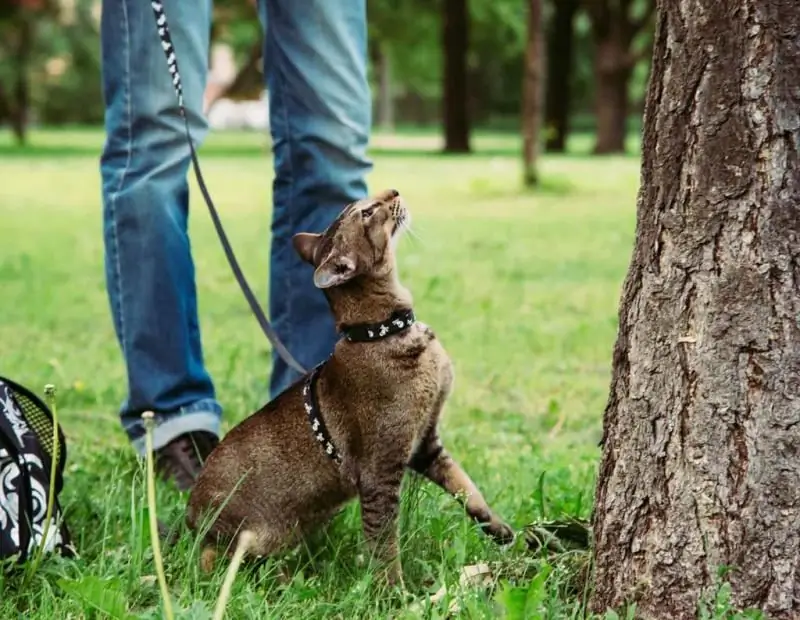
18, 59
532, 89
617, 27
452, 64
561, 42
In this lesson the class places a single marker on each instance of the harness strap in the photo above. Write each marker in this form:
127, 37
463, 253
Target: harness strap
318, 428
398, 322
172, 64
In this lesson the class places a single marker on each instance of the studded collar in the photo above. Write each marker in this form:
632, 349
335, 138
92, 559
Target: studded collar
399, 321
361, 332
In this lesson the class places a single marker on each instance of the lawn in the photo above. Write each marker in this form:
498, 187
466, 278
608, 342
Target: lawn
521, 287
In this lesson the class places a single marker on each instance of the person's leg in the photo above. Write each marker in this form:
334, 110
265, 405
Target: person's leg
148, 262
315, 60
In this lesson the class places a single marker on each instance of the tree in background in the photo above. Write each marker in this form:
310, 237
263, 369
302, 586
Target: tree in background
405, 67
381, 58
235, 23
456, 64
532, 93
616, 24
49, 64
455, 84
17, 38
699, 473
560, 58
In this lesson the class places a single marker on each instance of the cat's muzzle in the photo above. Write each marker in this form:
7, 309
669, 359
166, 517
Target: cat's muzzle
400, 214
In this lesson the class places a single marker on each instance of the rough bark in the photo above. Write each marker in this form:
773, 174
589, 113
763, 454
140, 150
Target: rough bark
701, 448
614, 28
455, 44
532, 93
560, 45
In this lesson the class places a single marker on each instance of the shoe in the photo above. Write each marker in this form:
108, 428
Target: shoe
182, 458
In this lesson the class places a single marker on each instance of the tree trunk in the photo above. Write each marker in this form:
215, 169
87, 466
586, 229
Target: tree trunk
560, 45
701, 443
383, 67
15, 97
532, 93
455, 43
612, 70
19, 116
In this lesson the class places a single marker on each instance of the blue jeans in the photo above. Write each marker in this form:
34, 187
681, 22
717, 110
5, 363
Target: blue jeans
320, 116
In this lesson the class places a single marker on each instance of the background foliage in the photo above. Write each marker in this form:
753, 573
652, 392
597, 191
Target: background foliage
61, 62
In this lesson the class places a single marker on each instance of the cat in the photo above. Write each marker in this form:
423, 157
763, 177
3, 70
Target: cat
352, 426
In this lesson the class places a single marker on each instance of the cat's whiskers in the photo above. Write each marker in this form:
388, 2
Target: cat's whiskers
406, 225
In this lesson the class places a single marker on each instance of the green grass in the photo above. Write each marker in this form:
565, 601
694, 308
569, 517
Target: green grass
522, 288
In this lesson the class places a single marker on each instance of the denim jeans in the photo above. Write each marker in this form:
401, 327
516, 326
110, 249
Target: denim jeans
320, 116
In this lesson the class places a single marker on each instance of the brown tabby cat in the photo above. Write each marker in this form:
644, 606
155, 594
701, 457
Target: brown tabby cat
351, 427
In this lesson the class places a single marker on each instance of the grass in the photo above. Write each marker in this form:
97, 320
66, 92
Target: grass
521, 287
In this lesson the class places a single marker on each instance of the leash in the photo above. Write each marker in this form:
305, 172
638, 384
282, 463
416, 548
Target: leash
172, 64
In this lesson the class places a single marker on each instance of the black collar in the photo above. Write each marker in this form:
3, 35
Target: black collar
318, 427
399, 321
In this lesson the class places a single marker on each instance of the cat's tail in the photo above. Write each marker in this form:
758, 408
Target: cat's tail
246, 540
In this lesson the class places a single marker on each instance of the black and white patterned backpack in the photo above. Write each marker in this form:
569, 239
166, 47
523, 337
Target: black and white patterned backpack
26, 446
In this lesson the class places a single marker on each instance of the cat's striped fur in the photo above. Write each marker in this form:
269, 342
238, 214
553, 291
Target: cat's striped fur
381, 402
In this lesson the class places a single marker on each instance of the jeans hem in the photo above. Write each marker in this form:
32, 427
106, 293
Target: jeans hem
168, 428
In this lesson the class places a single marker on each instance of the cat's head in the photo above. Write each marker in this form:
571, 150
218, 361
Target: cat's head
360, 242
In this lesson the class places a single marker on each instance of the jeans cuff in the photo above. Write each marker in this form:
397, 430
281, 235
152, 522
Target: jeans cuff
170, 426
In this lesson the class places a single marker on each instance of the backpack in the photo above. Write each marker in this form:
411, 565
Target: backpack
26, 445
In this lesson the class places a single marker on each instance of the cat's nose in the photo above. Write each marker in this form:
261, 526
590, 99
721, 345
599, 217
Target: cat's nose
392, 193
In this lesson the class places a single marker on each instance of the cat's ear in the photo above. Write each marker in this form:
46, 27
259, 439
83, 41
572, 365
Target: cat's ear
334, 270
305, 244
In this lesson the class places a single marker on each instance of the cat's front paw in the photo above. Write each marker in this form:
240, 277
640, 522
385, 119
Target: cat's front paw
392, 576
500, 532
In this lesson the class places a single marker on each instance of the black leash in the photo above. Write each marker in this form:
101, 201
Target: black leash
172, 64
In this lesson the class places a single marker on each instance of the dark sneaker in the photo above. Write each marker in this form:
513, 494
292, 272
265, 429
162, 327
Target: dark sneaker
182, 459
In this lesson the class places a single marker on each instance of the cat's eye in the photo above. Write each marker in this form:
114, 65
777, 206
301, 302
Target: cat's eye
368, 211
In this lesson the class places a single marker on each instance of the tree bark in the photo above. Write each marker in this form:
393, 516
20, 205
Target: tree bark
532, 93
455, 44
560, 45
701, 434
